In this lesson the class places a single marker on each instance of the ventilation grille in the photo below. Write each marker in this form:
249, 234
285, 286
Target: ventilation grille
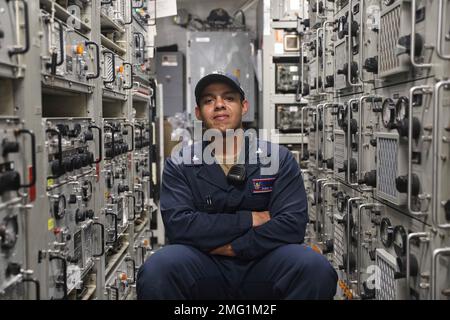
387, 153
108, 10
113, 294
57, 39
119, 10
386, 288
342, 3
87, 250
389, 35
109, 72
339, 241
339, 153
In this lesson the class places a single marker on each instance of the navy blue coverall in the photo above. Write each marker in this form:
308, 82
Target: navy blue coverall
201, 212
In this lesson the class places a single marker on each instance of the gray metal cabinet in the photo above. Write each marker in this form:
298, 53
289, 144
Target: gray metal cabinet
231, 52
170, 73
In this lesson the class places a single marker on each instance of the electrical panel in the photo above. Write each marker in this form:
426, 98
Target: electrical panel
204, 55
77, 140
374, 96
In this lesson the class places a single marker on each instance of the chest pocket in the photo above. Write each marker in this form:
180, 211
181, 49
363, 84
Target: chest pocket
212, 202
260, 193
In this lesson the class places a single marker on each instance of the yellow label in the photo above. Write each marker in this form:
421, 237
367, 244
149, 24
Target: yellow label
51, 224
49, 182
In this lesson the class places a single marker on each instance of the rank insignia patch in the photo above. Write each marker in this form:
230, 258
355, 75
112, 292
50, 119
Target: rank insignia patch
262, 185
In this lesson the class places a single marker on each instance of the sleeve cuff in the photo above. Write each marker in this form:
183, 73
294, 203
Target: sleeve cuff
245, 220
241, 245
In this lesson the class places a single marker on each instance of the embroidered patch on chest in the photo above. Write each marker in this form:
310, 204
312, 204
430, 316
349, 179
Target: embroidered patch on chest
263, 185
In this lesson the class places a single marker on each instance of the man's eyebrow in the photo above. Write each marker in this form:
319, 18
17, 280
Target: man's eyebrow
230, 92
212, 95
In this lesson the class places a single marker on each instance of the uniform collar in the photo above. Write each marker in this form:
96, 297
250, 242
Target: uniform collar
256, 151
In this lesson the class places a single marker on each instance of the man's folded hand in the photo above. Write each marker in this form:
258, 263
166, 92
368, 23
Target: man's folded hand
259, 218
225, 250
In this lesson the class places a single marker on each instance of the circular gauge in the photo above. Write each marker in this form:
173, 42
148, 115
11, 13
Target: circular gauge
8, 233
399, 240
386, 232
388, 112
401, 108
86, 190
59, 207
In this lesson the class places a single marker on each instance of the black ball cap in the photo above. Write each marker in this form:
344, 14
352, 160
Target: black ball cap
217, 77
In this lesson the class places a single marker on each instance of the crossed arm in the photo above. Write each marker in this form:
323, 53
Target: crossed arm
258, 219
246, 234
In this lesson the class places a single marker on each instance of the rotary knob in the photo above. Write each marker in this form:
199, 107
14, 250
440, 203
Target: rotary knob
370, 179
352, 261
9, 147
9, 181
344, 70
403, 128
401, 184
67, 164
80, 216
13, 269
89, 214
84, 158
146, 173
343, 221
371, 65
447, 209
353, 126
75, 131
329, 81
77, 162
109, 152
329, 163
369, 293
305, 90
88, 136
8, 233
328, 246
413, 266
353, 166
63, 129
56, 168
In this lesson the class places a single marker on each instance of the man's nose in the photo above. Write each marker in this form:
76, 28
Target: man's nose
220, 103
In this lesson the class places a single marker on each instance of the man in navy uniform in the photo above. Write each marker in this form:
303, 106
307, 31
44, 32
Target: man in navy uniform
238, 234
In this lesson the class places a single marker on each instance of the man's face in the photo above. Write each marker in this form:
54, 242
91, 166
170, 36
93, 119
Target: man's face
221, 107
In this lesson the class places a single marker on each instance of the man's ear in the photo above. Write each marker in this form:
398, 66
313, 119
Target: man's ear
198, 113
245, 106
